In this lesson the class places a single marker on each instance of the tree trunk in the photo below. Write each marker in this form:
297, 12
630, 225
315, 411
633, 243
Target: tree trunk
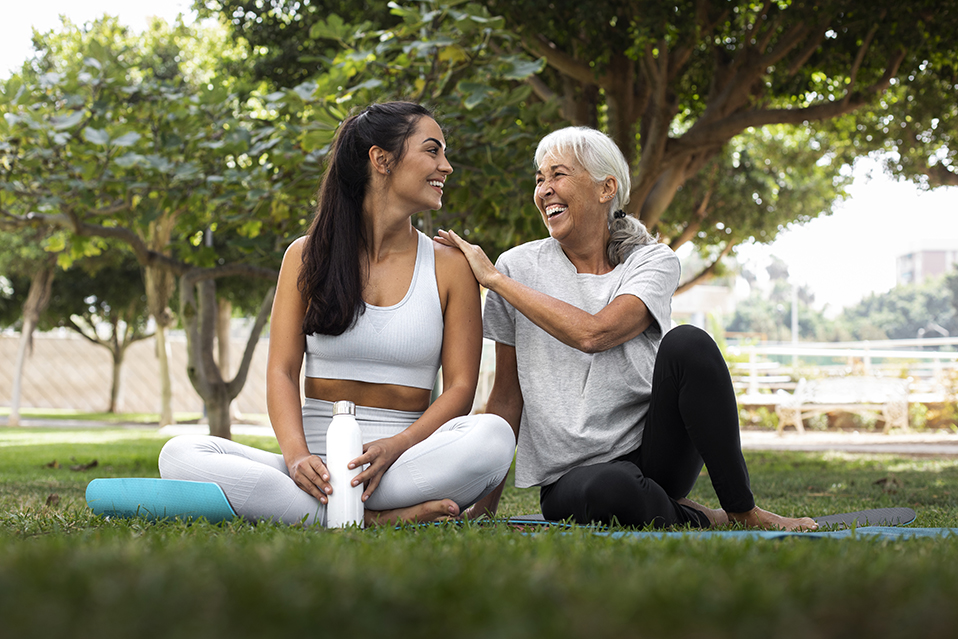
37, 300
115, 386
198, 308
218, 412
160, 284
164, 355
224, 313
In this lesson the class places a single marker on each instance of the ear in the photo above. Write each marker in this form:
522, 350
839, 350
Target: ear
379, 159
608, 189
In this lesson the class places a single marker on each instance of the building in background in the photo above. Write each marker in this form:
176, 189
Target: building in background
928, 260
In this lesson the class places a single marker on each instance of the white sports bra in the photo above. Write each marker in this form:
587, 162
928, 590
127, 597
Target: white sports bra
399, 344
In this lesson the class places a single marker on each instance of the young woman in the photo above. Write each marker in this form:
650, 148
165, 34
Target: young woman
614, 412
375, 308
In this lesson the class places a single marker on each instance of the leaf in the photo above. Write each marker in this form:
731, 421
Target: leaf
128, 160
66, 121
475, 93
127, 139
53, 464
85, 467
333, 28
372, 83
521, 69
53, 499
96, 136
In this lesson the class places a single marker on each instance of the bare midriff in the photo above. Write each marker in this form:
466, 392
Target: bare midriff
390, 396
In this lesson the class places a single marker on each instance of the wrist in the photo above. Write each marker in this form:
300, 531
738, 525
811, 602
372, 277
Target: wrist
493, 281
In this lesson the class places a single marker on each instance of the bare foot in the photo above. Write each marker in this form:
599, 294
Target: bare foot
420, 513
758, 518
717, 516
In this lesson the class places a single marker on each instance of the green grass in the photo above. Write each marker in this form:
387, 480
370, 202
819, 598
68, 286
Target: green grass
64, 572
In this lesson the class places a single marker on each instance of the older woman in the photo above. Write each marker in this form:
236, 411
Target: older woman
614, 413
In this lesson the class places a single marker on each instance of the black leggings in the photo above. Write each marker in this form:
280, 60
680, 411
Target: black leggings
692, 419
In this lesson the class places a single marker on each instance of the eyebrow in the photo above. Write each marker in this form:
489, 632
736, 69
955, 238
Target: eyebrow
441, 145
553, 168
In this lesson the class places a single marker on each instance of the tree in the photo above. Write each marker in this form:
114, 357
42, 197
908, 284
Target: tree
769, 312
22, 256
762, 182
904, 312
673, 83
120, 143
103, 300
446, 55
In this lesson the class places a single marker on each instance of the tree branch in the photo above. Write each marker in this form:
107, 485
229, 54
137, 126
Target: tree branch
722, 130
941, 175
236, 384
559, 60
859, 58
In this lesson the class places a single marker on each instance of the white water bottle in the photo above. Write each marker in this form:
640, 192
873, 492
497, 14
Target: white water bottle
344, 443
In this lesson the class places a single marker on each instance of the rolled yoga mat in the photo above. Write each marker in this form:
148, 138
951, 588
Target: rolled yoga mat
156, 499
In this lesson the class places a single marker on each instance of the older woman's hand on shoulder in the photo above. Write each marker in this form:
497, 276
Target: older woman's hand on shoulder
480, 264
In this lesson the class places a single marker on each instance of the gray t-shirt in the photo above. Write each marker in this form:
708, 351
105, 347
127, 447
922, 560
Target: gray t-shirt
580, 409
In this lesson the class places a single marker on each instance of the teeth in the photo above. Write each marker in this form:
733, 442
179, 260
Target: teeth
555, 209
435, 183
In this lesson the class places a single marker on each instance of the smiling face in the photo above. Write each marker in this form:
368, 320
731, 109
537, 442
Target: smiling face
420, 176
574, 207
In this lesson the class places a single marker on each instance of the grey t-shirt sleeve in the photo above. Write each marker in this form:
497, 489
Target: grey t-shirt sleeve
498, 316
652, 276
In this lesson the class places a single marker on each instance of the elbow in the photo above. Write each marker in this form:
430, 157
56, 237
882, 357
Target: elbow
592, 343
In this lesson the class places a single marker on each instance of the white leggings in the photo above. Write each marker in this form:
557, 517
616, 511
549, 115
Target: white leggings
463, 460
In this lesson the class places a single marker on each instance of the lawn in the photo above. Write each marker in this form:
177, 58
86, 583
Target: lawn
64, 572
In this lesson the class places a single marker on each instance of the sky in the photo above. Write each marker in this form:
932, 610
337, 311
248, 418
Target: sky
841, 258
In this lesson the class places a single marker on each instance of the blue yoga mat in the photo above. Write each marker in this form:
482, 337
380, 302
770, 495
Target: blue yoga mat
867, 532
158, 499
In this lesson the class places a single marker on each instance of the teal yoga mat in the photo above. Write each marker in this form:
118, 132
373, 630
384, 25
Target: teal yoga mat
158, 499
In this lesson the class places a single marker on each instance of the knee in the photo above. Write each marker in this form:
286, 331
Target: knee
690, 344
178, 449
687, 338
497, 437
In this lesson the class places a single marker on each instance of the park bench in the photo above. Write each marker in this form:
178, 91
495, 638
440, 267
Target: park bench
861, 395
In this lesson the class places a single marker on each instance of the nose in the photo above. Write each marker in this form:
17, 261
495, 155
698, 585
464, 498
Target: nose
544, 189
445, 168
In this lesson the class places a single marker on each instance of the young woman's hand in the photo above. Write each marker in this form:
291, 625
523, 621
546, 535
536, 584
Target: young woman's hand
310, 474
380, 455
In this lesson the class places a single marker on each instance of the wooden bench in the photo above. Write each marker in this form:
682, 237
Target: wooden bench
888, 396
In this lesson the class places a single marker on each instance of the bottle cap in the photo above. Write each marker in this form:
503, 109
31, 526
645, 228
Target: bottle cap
344, 407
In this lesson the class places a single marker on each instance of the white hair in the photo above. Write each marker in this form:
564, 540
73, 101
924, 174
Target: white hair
601, 158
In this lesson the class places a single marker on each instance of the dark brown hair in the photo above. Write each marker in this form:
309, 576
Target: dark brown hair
330, 279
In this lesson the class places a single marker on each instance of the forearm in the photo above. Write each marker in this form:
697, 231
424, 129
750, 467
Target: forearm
567, 323
284, 406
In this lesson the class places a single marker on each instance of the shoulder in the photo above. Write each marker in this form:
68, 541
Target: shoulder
526, 253
452, 269
449, 259
295, 249
652, 253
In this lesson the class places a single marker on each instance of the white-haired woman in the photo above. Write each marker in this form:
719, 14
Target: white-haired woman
614, 414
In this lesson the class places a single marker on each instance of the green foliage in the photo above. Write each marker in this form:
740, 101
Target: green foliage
101, 298
111, 134
443, 55
903, 311
764, 180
